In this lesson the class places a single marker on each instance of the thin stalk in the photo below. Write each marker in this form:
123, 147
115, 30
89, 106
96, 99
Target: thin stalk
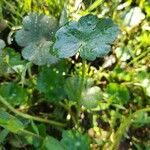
31, 134
6, 104
95, 5
124, 125
69, 111
139, 57
80, 90
82, 80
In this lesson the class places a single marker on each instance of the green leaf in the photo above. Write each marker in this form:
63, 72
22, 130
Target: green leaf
36, 27
90, 36
50, 81
118, 93
3, 135
10, 61
91, 96
71, 87
141, 120
2, 44
34, 127
42, 130
35, 37
13, 93
10, 123
39, 53
73, 140
120, 74
51, 143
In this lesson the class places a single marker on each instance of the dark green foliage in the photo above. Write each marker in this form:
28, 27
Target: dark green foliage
13, 93
118, 94
91, 96
73, 140
10, 61
96, 98
50, 143
10, 122
90, 36
50, 81
72, 86
36, 38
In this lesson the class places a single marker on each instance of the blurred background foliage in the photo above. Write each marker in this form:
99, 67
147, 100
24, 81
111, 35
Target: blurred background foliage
123, 75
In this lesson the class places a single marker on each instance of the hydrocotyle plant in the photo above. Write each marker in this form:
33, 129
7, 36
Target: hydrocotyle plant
90, 36
35, 37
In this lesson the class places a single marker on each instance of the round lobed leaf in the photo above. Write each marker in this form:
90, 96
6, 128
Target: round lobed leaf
73, 140
13, 93
36, 28
50, 143
35, 37
39, 53
90, 35
50, 82
91, 96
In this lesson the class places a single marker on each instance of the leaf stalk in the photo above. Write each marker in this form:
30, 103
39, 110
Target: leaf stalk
34, 118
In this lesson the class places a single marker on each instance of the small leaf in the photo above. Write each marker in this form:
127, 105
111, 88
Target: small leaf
42, 130
51, 143
141, 120
90, 35
73, 140
10, 122
50, 81
35, 36
10, 61
3, 135
91, 96
72, 86
13, 93
118, 93
34, 127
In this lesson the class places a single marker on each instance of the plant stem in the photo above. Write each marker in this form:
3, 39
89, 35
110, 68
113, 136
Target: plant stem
31, 134
124, 125
82, 80
139, 57
80, 90
94, 5
69, 111
4, 102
